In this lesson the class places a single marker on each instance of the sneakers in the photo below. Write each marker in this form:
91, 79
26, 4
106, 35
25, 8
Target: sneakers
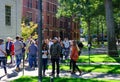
17, 69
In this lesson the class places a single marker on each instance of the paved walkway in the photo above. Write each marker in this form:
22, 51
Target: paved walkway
34, 72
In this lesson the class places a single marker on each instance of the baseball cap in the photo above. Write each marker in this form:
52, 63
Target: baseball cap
55, 38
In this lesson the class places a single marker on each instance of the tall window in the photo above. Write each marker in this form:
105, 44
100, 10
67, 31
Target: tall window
7, 15
54, 22
48, 20
29, 16
54, 8
36, 4
29, 3
61, 24
48, 6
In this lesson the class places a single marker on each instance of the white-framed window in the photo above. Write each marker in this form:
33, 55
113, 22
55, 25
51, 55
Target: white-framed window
7, 15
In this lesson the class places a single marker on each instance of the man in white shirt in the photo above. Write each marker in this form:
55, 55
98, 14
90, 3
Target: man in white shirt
67, 47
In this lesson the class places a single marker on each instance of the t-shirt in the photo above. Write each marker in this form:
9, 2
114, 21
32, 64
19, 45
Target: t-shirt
2, 47
66, 44
44, 55
18, 47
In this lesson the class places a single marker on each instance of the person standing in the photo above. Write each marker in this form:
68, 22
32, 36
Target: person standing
33, 50
55, 51
13, 53
67, 47
3, 55
44, 56
18, 45
74, 57
8, 48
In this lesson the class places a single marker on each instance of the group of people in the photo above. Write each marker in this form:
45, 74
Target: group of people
52, 49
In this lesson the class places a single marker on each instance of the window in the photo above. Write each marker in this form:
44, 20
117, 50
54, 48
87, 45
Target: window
36, 4
29, 3
54, 22
61, 24
7, 15
29, 16
54, 8
47, 19
48, 6
65, 24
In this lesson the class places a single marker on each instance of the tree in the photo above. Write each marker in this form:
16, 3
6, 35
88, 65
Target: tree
112, 48
80, 10
86, 10
28, 31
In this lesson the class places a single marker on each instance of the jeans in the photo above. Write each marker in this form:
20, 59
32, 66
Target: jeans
4, 61
32, 60
18, 60
55, 60
44, 64
66, 53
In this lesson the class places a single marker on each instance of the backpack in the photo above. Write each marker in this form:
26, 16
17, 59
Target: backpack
80, 46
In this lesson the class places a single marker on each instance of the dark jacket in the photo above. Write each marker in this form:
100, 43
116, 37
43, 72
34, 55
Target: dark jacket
8, 51
55, 50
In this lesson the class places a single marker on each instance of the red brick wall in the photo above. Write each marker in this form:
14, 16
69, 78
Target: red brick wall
52, 29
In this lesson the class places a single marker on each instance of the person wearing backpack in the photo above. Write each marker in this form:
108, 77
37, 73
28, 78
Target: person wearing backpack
74, 57
55, 52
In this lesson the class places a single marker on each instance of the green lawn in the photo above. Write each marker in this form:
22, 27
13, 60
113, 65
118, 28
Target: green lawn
114, 69
97, 58
47, 79
96, 68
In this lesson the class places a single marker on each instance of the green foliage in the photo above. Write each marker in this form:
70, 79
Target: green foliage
84, 10
28, 31
96, 58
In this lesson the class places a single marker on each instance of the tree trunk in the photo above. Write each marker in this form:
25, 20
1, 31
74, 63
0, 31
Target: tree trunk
112, 47
98, 37
89, 34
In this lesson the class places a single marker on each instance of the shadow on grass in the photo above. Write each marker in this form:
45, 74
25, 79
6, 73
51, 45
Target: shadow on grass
117, 58
31, 79
47, 79
110, 69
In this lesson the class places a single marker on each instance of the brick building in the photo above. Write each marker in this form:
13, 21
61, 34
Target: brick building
62, 27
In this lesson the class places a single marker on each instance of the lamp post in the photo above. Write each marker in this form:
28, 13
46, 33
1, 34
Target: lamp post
40, 41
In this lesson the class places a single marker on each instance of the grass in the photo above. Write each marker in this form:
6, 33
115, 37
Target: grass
113, 69
47, 79
96, 58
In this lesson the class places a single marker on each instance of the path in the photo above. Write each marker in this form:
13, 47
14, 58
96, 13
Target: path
34, 72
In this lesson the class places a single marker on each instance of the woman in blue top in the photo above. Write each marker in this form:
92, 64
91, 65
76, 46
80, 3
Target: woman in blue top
33, 50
